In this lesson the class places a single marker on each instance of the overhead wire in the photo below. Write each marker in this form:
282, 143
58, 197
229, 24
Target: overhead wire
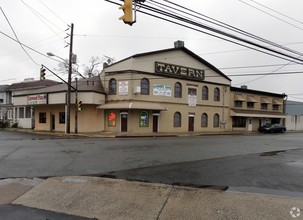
253, 45
17, 39
270, 14
227, 26
39, 16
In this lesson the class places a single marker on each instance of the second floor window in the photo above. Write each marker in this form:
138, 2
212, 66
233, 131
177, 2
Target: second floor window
205, 93
144, 86
178, 90
250, 104
264, 105
216, 94
112, 87
238, 104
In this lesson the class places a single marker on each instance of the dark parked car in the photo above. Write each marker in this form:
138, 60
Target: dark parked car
272, 128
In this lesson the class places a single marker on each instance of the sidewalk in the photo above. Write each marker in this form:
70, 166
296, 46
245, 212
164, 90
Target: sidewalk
104, 198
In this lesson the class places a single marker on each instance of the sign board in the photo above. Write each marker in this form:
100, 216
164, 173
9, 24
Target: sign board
192, 100
161, 90
181, 71
123, 88
37, 99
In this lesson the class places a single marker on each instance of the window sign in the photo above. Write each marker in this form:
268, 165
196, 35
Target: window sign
112, 118
143, 119
162, 90
123, 88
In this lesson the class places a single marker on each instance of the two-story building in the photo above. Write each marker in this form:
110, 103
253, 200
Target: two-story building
250, 109
165, 91
171, 90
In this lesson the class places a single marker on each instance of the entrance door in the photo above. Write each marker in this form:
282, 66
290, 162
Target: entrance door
191, 120
250, 126
124, 122
155, 123
53, 122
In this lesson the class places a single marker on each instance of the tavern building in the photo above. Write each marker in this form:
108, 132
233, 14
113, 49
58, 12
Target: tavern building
166, 91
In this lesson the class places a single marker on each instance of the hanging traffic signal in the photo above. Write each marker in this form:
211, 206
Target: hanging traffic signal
42, 73
79, 106
127, 7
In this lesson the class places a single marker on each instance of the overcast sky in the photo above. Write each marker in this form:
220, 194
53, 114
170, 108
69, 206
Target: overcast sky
41, 24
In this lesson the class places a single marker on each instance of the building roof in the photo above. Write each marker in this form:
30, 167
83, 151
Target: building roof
244, 90
184, 49
92, 84
3, 88
36, 84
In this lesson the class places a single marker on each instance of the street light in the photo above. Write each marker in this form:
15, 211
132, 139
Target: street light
68, 97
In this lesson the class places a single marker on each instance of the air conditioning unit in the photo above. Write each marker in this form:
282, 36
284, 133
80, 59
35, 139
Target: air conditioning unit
137, 89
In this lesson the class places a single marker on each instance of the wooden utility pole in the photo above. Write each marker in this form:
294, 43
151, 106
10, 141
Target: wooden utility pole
68, 98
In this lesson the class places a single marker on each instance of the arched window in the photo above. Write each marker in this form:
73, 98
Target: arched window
216, 94
216, 120
177, 119
204, 120
143, 120
204, 93
178, 90
112, 87
144, 86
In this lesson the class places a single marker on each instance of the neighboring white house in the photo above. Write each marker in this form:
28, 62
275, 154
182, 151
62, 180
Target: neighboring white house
6, 107
294, 116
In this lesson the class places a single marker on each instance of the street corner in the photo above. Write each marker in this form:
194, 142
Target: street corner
187, 203
11, 189
95, 197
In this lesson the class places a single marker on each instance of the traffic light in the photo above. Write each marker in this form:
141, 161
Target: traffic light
79, 106
127, 7
42, 73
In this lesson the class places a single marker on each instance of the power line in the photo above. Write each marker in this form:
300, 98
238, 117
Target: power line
65, 23
39, 16
26, 46
160, 14
18, 38
227, 26
284, 15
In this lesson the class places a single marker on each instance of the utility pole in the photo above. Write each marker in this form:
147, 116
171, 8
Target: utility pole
76, 107
69, 81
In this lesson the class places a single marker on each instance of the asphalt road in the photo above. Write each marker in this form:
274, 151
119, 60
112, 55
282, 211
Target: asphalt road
235, 161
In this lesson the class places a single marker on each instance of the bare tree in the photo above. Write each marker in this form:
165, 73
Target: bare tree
93, 68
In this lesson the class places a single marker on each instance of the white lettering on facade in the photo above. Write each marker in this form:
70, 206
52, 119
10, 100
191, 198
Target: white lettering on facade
165, 68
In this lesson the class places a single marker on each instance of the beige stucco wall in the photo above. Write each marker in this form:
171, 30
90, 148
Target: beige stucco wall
89, 119
176, 57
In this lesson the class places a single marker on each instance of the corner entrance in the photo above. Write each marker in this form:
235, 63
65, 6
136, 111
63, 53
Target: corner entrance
124, 117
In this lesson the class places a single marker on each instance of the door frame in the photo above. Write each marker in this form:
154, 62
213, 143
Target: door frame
123, 113
191, 116
157, 127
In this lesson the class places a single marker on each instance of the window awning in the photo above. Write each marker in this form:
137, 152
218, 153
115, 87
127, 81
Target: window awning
265, 100
240, 113
239, 97
133, 105
251, 99
277, 102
